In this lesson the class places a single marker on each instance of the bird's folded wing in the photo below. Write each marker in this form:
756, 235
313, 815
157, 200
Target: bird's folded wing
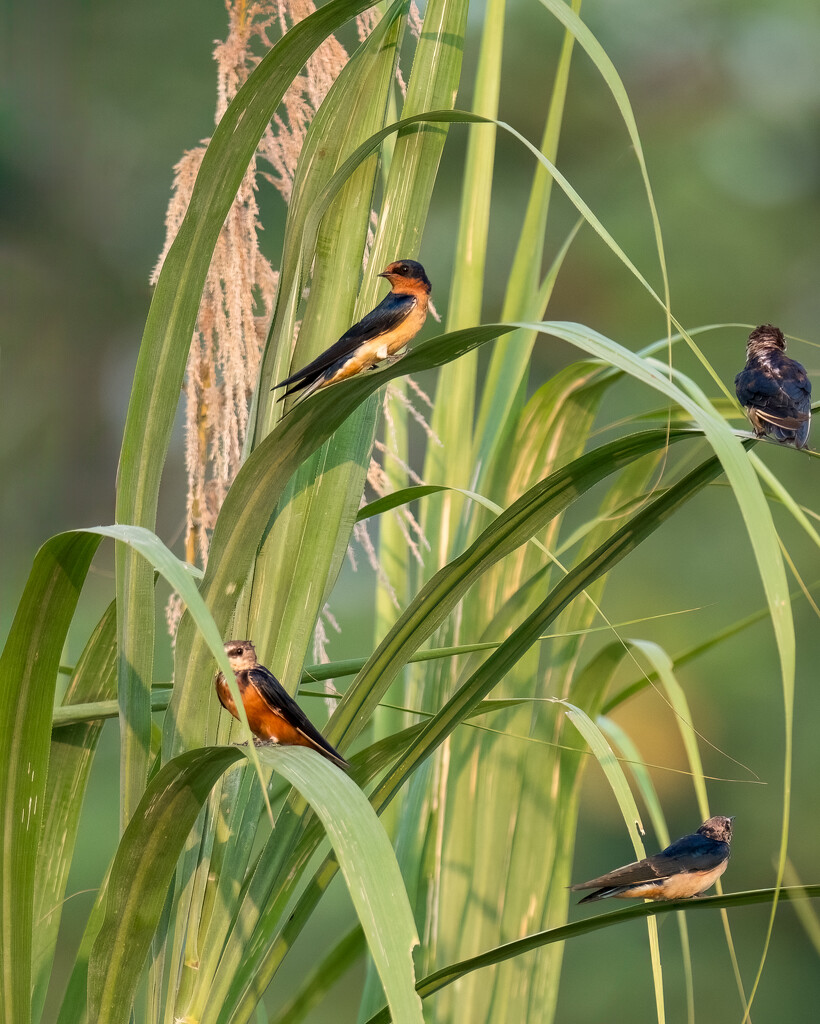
278, 699
692, 853
281, 703
629, 874
389, 314
786, 403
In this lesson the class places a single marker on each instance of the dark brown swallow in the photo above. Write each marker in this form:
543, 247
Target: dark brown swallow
774, 390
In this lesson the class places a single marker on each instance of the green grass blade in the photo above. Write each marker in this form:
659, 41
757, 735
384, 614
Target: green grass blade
397, 498
28, 675
308, 534
142, 869
440, 979
511, 356
99, 710
369, 866
304, 548
70, 760
73, 714
149, 850
458, 383
235, 994
640, 773
597, 743
413, 167
762, 535
568, 17
415, 756
662, 665
611, 768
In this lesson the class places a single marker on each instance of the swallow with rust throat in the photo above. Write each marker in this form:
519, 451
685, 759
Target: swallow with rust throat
273, 715
380, 335
774, 390
682, 871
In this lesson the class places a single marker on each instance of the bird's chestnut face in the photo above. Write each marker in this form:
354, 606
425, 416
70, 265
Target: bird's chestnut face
241, 654
401, 268
405, 270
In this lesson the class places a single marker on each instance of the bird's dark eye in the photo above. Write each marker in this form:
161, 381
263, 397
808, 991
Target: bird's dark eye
403, 269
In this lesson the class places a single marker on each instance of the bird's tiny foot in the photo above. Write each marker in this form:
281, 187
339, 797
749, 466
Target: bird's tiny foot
244, 743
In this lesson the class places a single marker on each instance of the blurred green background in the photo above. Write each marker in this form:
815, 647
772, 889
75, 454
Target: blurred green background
98, 102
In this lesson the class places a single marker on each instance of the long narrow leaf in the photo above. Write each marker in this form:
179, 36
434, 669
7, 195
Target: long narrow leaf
28, 676
599, 746
447, 975
142, 869
369, 867
640, 774
71, 757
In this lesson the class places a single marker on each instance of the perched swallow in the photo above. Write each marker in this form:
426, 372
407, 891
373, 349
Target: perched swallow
680, 872
396, 320
273, 715
775, 391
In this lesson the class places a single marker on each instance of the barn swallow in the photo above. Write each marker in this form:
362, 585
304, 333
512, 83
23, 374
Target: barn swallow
774, 390
382, 333
680, 872
273, 715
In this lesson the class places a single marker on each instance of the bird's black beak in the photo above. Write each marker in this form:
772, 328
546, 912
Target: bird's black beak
383, 274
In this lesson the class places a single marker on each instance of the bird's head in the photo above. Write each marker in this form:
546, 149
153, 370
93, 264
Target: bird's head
407, 276
718, 828
241, 654
767, 337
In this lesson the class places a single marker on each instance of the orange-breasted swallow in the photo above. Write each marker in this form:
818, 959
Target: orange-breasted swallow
381, 334
682, 871
273, 715
774, 390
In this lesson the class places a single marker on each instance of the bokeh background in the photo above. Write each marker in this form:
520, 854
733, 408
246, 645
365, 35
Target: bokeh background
98, 102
